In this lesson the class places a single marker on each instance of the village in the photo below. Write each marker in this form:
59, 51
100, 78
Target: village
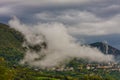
109, 66
105, 67
94, 67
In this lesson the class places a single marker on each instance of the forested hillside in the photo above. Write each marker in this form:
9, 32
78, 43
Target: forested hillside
10, 44
11, 52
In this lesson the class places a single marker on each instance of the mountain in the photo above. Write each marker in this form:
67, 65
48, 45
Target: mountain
106, 48
10, 44
12, 51
10, 37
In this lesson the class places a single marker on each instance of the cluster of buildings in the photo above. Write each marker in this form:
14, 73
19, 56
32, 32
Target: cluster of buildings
94, 67
108, 67
62, 69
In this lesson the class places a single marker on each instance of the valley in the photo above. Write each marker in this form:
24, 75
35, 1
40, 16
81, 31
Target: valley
12, 52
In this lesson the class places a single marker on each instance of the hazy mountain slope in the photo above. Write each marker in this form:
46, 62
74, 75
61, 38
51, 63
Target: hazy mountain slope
10, 44
9, 37
102, 47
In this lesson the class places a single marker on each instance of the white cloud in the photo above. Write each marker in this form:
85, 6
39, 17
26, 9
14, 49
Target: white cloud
68, 15
83, 22
103, 27
10, 6
5, 10
78, 22
60, 45
112, 7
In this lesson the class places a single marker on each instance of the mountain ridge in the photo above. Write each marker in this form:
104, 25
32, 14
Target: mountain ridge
11, 44
102, 46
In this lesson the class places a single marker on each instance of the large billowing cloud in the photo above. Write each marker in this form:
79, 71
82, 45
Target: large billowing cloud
89, 18
61, 47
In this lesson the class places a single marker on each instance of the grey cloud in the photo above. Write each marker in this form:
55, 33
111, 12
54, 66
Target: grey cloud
71, 17
104, 27
83, 22
49, 2
90, 10
5, 11
81, 17
27, 8
107, 11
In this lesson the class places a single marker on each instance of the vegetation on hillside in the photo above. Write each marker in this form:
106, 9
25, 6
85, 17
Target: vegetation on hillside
10, 44
11, 52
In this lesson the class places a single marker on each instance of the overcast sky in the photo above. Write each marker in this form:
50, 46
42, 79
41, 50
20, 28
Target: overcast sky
87, 20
